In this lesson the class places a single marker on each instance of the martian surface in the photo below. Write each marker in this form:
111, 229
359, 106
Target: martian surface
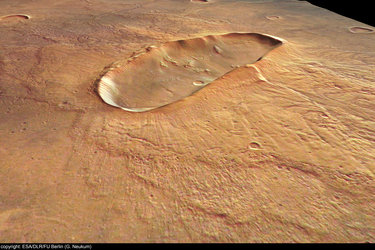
185, 121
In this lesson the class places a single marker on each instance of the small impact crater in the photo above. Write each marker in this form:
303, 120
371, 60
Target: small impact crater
14, 17
254, 146
199, 83
160, 75
273, 17
357, 29
199, 1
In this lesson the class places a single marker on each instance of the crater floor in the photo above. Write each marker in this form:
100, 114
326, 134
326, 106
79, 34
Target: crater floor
163, 74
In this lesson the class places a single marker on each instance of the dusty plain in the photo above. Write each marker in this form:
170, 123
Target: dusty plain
282, 150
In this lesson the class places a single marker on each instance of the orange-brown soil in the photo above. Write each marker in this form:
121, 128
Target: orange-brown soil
279, 150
